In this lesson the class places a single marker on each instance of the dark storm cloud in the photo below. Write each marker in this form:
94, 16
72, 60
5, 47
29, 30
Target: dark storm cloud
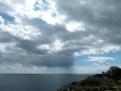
38, 60
95, 12
30, 47
103, 16
74, 9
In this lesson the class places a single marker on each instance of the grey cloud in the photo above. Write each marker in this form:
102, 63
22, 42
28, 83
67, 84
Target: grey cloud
4, 7
38, 60
95, 12
44, 27
30, 47
74, 10
5, 37
32, 58
103, 17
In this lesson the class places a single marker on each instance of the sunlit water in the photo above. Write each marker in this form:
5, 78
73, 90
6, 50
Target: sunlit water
36, 82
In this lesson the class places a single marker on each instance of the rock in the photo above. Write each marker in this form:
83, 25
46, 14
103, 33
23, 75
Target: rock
107, 81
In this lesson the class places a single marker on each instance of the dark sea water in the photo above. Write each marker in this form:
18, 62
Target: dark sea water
31, 82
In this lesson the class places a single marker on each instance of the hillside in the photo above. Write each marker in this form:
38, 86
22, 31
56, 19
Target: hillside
106, 81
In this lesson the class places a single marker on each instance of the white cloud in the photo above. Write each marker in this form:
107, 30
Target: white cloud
73, 26
109, 48
50, 14
22, 31
98, 49
100, 61
56, 46
5, 47
44, 47
46, 10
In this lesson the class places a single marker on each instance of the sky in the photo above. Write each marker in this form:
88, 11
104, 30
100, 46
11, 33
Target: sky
59, 36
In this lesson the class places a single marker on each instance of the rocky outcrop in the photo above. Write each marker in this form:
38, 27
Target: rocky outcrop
107, 81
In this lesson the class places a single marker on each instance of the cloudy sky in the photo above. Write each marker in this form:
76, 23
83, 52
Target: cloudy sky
59, 36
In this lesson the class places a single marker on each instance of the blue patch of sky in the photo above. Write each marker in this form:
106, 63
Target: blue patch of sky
36, 6
84, 61
8, 18
42, 5
116, 56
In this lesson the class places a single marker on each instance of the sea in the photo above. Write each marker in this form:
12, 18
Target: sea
36, 82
